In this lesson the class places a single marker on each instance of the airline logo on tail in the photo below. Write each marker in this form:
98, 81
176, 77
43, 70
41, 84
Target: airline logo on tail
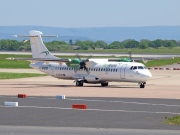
46, 52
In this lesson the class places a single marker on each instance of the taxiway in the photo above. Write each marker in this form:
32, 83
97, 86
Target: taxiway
120, 107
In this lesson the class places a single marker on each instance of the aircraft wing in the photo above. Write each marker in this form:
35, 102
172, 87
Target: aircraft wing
151, 58
70, 62
137, 59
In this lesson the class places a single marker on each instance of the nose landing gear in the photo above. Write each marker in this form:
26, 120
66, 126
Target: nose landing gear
142, 84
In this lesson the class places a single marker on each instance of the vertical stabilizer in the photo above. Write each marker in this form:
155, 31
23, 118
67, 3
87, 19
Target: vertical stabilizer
38, 48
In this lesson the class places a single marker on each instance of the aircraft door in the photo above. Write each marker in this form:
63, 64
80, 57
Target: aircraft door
123, 71
52, 70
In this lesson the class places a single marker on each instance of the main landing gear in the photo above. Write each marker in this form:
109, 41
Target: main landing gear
79, 83
142, 84
104, 84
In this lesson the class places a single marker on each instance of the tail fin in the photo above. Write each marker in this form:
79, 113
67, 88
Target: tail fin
38, 48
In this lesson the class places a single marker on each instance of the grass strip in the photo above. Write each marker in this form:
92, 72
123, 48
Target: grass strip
175, 120
5, 75
163, 62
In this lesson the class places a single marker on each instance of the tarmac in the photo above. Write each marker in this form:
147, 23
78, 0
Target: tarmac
164, 84
118, 106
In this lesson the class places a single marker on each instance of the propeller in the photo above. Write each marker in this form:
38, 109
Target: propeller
82, 64
130, 56
132, 60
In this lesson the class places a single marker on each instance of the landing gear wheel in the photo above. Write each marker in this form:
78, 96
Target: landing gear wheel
104, 84
79, 83
142, 85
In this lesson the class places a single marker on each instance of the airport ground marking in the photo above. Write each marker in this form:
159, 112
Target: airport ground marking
106, 101
99, 110
138, 103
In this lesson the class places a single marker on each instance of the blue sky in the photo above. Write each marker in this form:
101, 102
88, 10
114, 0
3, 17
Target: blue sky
90, 13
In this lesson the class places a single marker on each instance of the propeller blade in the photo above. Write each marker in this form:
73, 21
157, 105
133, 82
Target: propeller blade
78, 56
82, 64
86, 69
87, 59
130, 57
145, 61
75, 70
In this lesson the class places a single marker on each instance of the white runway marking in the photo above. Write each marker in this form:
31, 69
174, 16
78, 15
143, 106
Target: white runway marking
101, 110
138, 103
120, 101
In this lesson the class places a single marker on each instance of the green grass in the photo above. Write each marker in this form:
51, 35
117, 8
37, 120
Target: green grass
13, 63
163, 62
175, 120
4, 75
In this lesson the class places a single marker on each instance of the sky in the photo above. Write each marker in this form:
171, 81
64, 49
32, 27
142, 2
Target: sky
90, 13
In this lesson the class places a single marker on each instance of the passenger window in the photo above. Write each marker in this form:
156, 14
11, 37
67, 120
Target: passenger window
135, 67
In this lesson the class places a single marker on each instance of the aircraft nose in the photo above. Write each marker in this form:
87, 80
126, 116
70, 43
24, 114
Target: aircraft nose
148, 75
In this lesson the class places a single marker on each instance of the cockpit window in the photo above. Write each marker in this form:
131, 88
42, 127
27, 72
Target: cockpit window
131, 68
135, 67
145, 67
140, 67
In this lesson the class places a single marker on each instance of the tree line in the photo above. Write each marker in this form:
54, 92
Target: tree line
14, 45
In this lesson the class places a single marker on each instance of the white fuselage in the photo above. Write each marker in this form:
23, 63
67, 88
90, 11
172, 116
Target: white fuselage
101, 72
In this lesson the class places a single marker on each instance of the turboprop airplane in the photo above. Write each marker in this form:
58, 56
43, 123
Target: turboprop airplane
92, 71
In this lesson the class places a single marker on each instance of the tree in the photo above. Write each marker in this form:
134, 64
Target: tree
70, 42
101, 44
131, 43
170, 43
89, 44
158, 43
143, 44
116, 45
